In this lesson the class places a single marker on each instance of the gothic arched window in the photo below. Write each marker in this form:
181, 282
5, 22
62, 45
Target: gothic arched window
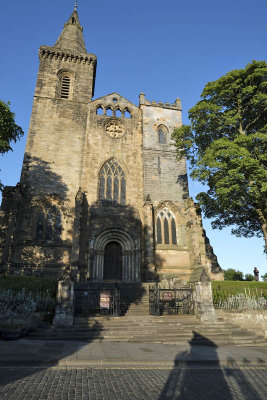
162, 134
112, 183
99, 110
166, 227
49, 226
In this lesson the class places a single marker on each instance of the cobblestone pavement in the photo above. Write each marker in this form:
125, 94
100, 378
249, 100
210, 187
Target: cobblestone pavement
85, 383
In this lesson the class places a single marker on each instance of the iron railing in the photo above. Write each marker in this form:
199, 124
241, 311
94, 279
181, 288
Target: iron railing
170, 301
97, 301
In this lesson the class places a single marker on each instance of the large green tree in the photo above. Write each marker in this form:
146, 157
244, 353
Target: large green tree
9, 130
226, 145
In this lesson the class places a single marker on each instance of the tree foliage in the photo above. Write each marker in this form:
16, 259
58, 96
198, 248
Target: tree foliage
264, 277
226, 145
249, 277
9, 130
231, 274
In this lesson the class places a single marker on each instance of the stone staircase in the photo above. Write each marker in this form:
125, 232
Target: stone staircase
136, 325
149, 329
135, 299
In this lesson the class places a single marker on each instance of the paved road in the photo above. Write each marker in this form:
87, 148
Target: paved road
83, 383
70, 370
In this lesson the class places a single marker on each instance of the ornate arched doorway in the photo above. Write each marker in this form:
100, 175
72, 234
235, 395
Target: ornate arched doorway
125, 251
112, 261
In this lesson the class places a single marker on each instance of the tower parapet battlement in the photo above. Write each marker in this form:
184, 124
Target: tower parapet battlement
70, 56
175, 106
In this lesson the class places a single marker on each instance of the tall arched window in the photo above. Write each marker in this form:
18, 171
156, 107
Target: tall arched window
162, 134
166, 227
112, 183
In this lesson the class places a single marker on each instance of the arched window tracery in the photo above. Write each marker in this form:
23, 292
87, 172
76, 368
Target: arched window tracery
49, 225
112, 183
166, 227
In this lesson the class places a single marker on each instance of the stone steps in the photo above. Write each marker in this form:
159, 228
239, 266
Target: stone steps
149, 329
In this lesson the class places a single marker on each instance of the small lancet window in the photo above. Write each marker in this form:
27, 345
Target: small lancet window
99, 110
112, 183
118, 113
127, 113
109, 112
166, 228
65, 87
162, 134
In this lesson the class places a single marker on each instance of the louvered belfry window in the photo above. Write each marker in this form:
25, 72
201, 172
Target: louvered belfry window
65, 87
112, 183
166, 227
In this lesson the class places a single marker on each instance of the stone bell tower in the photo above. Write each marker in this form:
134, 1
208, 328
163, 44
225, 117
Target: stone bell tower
65, 86
53, 160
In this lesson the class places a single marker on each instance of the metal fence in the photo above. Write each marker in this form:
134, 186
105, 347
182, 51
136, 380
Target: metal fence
97, 301
170, 301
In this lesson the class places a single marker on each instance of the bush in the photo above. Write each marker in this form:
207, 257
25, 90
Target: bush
29, 283
243, 302
24, 303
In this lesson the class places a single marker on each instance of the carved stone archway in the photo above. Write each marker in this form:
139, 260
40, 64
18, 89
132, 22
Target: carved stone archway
130, 255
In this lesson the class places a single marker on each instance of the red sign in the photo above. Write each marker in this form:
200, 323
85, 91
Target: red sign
105, 300
167, 296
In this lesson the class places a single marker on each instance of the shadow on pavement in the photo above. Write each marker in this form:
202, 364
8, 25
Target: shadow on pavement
207, 380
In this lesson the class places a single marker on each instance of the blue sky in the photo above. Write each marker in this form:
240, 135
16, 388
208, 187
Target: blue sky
164, 48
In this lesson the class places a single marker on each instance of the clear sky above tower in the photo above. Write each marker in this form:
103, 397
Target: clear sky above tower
164, 48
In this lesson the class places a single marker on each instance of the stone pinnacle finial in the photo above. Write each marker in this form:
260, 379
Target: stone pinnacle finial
75, 5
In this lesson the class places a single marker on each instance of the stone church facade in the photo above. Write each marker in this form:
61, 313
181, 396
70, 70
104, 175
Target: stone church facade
101, 190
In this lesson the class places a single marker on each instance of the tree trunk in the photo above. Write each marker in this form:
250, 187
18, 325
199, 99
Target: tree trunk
263, 223
264, 230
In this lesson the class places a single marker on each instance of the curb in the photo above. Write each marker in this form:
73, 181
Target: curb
215, 364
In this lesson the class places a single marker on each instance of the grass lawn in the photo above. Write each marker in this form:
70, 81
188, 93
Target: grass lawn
238, 285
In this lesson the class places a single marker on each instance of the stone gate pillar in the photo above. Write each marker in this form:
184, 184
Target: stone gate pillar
204, 308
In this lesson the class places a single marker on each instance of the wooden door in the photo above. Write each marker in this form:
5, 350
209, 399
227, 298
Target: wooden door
113, 261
